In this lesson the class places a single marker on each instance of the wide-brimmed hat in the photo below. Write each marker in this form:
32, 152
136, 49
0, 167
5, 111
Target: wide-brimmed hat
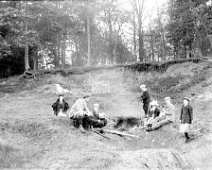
96, 104
167, 98
142, 86
101, 115
154, 103
186, 98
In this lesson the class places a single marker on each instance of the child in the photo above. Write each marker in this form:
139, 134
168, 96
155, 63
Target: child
60, 107
145, 98
186, 118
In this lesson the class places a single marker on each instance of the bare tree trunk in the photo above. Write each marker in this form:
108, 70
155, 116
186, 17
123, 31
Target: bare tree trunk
162, 33
63, 52
152, 46
134, 35
88, 36
26, 55
57, 56
35, 64
152, 43
138, 6
140, 41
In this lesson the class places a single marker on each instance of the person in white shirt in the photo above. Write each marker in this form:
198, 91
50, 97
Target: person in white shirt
79, 111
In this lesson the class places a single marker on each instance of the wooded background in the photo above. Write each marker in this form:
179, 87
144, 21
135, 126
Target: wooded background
62, 34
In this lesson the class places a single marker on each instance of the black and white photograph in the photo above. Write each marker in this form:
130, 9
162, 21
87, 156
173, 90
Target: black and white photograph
106, 85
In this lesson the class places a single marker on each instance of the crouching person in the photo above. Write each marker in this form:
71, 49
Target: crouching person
79, 113
166, 116
60, 107
186, 118
97, 120
153, 114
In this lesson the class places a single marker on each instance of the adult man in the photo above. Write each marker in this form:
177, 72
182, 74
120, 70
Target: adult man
60, 107
79, 111
145, 98
166, 116
186, 117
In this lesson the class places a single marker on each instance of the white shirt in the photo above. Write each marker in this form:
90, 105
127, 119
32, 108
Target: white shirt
79, 107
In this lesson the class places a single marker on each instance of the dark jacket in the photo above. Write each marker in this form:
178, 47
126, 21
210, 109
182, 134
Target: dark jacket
154, 113
186, 115
57, 106
145, 98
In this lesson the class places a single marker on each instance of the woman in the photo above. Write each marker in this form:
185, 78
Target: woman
153, 113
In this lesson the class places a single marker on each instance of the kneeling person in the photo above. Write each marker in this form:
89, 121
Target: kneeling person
79, 112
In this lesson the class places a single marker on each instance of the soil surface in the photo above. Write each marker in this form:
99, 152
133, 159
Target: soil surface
32, 138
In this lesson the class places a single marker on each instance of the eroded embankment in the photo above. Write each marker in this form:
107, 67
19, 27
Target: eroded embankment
32, 138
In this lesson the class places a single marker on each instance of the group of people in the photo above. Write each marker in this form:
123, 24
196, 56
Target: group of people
157, 116
79, 113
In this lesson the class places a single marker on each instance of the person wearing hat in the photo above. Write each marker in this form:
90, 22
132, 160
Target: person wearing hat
167, 115
96, 120
186, 117
153, 113
145, 98
79, 111
60, 107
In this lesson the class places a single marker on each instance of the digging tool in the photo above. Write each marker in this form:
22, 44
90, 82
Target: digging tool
120, 133
100, 134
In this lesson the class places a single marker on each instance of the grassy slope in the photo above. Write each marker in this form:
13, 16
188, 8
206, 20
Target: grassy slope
31, 138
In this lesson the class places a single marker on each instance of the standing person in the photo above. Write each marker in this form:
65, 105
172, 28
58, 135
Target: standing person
167, 115
186, 117
60, 107
79, 112
145, 98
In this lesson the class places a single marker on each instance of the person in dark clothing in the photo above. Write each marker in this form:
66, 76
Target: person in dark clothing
145, 98
60, 107
96, 120
186, 117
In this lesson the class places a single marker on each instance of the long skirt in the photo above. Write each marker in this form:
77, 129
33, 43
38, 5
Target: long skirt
184, 128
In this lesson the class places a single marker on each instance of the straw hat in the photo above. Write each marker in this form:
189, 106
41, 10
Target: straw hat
96, 104
167, 98
154, 103
101, 115
143, 86
186, 98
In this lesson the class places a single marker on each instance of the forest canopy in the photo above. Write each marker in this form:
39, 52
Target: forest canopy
71, 33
